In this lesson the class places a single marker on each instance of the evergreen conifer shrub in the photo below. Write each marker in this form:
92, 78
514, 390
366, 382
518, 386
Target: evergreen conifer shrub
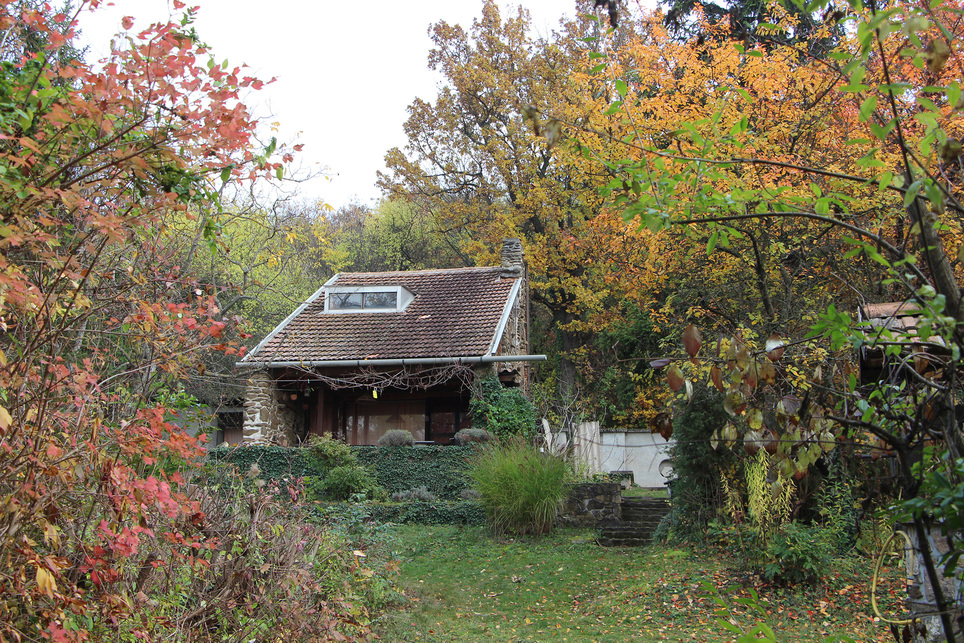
697, 493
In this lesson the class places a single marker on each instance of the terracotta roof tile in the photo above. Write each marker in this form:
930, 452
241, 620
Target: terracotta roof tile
455, 313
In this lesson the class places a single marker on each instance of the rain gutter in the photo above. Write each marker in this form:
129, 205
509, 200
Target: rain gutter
411, 361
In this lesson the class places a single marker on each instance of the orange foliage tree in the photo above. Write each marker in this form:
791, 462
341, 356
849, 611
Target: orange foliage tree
476, 166
844, 171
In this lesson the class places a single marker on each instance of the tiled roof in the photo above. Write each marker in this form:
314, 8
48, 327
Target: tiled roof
455, 313
900, 317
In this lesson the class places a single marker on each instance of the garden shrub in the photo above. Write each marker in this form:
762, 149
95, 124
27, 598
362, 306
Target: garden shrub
757, 527
468, 436
520, 487
253, 578
768, 500
837, 506
758, 504
798, 553
397, 438
346, 482
342, 475
418, 493
502, 411
330, 452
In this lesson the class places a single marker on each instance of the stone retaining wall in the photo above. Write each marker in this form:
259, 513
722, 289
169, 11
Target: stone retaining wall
592, 504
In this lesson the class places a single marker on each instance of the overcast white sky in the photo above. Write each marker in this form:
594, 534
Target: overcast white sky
346, 69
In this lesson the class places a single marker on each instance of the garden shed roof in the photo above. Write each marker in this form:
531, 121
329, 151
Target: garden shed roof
459, 312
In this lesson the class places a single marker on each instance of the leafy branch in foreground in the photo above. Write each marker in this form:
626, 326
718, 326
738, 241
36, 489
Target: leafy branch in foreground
768, 157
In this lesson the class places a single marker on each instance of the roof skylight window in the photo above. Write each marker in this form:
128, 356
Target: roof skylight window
363, 300
367, 299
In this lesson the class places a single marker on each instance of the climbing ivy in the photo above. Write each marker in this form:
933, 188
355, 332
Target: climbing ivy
274, 463
502, 411
440, 469
466, 512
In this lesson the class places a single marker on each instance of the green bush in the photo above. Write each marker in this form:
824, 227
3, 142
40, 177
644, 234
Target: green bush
799, 553
838, 507
330, 452
346, 482
343, 476
502, 411
396, 438
468, 436
520, 487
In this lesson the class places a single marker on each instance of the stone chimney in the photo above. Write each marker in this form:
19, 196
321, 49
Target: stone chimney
513, 259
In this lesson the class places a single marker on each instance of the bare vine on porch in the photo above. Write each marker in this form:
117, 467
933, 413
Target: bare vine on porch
406, 378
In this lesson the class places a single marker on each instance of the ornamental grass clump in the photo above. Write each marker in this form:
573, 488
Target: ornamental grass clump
520, 487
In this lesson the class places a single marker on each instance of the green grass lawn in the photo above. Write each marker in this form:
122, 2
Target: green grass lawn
461, 584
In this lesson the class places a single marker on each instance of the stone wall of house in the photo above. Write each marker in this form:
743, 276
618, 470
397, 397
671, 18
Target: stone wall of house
515, 338
266, 418
592, 504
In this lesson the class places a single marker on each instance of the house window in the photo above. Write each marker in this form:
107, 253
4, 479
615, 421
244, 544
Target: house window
367, 299
379, 299
366, 421
362, 300
342, 300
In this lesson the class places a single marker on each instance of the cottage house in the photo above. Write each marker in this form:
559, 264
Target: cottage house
372, 352
893, 323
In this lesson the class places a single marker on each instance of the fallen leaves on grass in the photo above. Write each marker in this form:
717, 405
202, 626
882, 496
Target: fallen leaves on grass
616, 594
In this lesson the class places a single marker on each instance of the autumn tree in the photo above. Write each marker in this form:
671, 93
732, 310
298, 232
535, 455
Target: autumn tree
100, 317
394, 235
747, 20
860, 151
476, 165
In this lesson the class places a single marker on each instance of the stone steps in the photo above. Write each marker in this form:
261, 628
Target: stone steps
639, 519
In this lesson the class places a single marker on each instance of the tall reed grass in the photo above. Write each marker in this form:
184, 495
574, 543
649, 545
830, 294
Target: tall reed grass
520, 487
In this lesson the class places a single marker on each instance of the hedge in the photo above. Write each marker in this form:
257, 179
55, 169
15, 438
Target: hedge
274, 462
440, 469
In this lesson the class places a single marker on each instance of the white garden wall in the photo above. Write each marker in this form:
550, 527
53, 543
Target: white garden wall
641, 453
